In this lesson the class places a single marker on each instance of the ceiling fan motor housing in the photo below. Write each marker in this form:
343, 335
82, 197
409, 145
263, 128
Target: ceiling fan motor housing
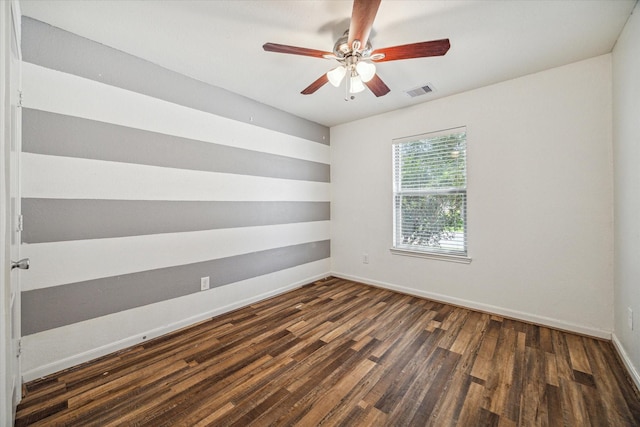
342, 49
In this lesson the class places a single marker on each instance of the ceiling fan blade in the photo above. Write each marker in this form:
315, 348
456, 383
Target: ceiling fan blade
414, 50
322, 80
377, 86
294, 50
362, 16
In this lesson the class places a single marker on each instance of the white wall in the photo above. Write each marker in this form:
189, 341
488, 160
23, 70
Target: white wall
540, 220
626, 144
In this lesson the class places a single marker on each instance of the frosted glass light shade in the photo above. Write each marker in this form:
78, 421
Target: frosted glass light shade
366, 70
336, 75
356, 84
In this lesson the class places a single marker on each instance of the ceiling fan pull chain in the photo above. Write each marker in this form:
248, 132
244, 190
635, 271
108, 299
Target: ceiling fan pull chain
346, 87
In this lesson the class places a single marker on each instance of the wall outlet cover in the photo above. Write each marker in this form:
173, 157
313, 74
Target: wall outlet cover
204, 283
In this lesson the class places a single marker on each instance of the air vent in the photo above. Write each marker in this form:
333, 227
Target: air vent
421, 90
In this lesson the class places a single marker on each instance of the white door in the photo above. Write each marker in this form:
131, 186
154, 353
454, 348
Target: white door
15, 211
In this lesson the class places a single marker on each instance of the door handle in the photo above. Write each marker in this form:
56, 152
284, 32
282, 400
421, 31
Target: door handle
23, 264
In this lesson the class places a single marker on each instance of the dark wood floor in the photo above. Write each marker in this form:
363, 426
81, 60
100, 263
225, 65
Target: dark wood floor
341, 353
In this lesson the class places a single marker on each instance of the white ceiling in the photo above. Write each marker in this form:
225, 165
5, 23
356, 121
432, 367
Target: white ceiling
220, 42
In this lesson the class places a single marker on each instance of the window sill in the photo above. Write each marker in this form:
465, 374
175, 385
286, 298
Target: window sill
441, 257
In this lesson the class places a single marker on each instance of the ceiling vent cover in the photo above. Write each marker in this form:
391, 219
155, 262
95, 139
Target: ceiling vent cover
421, 90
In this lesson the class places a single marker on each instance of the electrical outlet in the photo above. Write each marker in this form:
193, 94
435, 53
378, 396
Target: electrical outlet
630, 318
204, 283
365, 258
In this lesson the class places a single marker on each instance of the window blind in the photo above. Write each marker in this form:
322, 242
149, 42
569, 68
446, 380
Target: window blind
430, 193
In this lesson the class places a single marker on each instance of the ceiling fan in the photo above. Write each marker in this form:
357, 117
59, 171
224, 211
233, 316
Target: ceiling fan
356, 56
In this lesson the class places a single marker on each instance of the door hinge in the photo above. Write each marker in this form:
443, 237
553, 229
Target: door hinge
19, 352
20, 223
20, 98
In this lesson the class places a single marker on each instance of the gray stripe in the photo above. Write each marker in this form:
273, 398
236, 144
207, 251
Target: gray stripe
49, 308
60, 50
61, 135
53, 220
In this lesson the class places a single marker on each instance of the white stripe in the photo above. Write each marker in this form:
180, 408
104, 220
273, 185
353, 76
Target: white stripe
63, 93
60, 348
59, 263
59, 177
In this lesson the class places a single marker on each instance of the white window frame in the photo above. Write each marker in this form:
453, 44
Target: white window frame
420, 250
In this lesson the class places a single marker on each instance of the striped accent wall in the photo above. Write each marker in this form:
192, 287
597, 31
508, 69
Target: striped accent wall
137, 182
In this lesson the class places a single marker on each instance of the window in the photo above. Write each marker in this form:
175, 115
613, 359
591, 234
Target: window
430, 195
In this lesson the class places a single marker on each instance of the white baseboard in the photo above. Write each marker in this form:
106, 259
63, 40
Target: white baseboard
94, 353
633, 371
500, 311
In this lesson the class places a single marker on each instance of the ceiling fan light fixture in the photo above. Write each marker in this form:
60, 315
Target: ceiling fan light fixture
336, 75
366, 70
355, 84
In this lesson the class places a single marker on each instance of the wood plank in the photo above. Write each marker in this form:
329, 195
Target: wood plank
577, 354
499, 381
472, 404
551, 369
